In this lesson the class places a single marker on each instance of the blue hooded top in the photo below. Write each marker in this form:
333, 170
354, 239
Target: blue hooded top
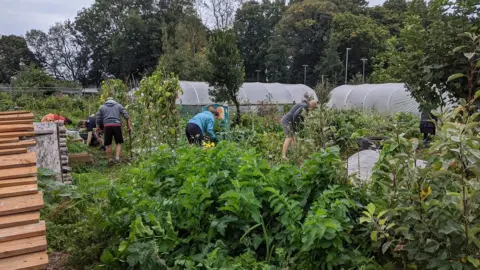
205, 121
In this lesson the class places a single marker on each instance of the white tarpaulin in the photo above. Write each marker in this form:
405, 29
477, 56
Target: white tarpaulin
361, 164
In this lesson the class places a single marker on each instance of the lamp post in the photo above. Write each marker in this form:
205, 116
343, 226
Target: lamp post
364, 60
346, 64
323, 83
305, 74
258, 75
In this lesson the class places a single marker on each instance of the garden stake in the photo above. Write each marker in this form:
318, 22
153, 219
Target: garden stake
130, 143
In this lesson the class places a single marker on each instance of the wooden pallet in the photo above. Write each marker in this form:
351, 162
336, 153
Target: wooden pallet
23, 243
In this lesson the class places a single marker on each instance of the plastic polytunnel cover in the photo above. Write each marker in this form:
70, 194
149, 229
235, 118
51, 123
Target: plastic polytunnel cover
196, 93
384, 98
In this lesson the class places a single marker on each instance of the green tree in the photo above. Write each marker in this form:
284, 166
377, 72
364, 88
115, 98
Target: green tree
226, 71
330, 64
32, 77
184, 51
299, 39
125, 37
424, 56
353, 6
362, 34
254, 26
386, 64
14, 54
391, 15
61, 51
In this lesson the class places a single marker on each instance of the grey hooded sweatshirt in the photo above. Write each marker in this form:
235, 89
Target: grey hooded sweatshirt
109, 113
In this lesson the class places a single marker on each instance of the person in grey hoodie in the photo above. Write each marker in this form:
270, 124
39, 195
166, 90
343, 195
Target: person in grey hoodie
291, 122
109, 114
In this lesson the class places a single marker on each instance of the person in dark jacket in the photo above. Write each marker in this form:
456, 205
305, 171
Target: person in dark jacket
91, 124
427, 125
291, 122
199, 125
109, 115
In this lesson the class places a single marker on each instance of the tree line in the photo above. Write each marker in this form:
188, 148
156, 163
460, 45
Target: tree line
277, 41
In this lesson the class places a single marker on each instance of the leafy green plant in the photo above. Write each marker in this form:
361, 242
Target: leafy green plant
156, 116
76, 147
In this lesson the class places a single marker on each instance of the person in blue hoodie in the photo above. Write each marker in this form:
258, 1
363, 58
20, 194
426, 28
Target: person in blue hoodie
199, 125
109, 115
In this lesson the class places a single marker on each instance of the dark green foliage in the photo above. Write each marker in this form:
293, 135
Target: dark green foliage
14, 54
299, 39
254, 26
189, 206
360, 33
33, 77
226, 72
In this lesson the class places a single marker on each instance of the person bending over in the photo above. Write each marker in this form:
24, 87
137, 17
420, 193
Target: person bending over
91, 124
291, 121
199, 125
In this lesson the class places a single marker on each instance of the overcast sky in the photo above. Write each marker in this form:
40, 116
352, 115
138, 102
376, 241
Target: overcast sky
19, 16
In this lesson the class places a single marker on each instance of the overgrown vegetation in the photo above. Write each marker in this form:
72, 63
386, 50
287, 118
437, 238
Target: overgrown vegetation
237, 205
229, 206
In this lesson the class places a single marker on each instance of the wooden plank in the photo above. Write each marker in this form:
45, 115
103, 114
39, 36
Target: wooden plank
31, 261
21, 232
82, 157
20, 160
9, 140
6, 192
18, 182
16, 122
13, 151
16, 128
17, 116
13, 112
19, 219
21, 204
18, 172
17, 134
19, 144
23, 246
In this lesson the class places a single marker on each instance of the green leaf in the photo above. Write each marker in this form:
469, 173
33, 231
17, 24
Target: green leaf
385, 246
107, 257
422, 256
459, 48
382, 221
431, 246
474, 261
469, 55
390, 225
373, 236
123, 246
455, 76
447, 229
444, 267
382, 213
457, 266
364, 219
371, 208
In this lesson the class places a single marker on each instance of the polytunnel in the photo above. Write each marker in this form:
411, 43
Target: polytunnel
385, 98
196, 93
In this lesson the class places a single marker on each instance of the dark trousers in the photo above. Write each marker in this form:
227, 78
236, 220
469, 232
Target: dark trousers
194, 134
